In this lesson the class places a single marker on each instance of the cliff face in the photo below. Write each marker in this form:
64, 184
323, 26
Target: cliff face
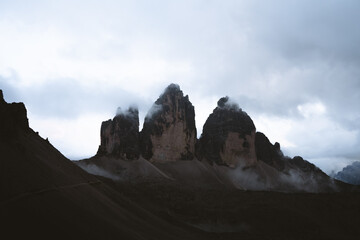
228, 136
238, 155
269, 153
120, 136
169, 132
13, 118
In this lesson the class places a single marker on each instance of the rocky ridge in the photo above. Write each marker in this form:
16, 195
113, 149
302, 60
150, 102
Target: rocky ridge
229, 152
228, 136
169, 132
269, 153
120, 136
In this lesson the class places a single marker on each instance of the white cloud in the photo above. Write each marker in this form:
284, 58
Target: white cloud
293, 66
75, 138
331, 165
311, 137
312, 109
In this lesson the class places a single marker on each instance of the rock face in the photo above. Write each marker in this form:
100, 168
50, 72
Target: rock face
120, 136
350, 174
13, 118
169, 132
269, 153
228, 136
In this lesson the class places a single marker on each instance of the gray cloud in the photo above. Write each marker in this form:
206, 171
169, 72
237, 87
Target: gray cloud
67, 98
270, 57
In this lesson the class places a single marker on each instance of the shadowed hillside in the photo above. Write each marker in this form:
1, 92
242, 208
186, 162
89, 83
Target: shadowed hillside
43, 195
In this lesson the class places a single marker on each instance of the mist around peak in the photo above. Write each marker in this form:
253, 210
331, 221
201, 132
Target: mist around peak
229, 148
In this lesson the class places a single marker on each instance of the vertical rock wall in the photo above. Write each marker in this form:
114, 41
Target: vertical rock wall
120, 136
228, 136
269, 153
169, 132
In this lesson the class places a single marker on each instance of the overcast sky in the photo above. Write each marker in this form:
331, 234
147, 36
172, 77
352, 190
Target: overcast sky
293, 66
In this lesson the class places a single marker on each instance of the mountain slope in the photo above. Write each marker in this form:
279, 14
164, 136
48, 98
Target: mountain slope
43, 195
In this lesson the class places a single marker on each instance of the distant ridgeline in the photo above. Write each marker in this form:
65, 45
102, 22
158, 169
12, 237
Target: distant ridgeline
229, 149
350, 174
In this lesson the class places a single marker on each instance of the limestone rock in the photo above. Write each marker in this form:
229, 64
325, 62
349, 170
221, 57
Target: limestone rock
169, 132
268, 153
305, 166
120, 136
228, 136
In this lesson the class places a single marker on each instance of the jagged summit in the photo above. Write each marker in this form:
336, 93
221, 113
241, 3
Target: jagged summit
168, 134
120, 136
131, 112
228, 136
173, 87
269, 153
229, 152
229, 112
169, 131
226, 103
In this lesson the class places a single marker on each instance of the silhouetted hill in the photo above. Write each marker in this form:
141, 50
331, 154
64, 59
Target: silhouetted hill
43, 195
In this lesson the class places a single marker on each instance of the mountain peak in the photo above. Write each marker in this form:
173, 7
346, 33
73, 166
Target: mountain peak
172, 87
131, 112
170, 94
169, 132
228, 136
227, 103
120, 136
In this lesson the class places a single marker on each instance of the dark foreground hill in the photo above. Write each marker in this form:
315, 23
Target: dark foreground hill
43, 195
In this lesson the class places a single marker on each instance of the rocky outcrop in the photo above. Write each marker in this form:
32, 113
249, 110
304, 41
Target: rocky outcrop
13, 118
350, 174
120, 136
269, 153
169, 132
228, 136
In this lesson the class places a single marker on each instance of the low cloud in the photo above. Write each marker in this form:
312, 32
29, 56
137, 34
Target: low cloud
95, 170
130, 111
155, 108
